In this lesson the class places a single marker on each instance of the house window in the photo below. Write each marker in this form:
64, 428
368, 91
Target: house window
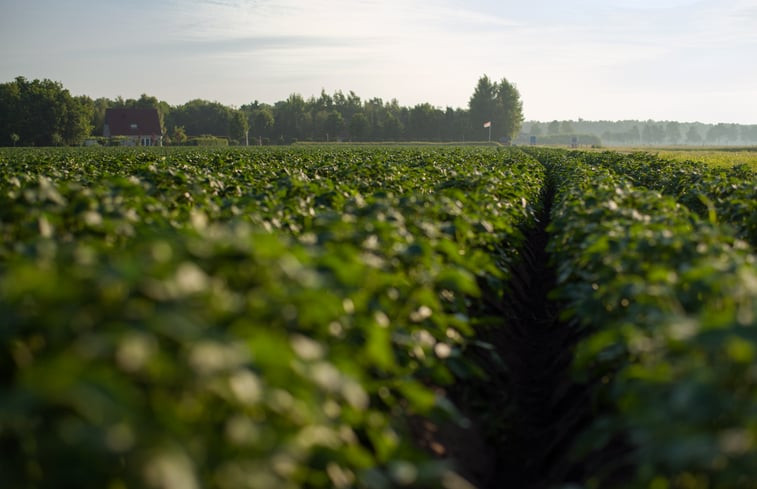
146, 141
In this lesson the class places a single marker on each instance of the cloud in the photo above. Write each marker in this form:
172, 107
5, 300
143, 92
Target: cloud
385, 20
621, 57
263, 43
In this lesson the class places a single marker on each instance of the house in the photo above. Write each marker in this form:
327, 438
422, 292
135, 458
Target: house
137, 127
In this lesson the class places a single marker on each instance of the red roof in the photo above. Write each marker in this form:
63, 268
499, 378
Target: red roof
132, 122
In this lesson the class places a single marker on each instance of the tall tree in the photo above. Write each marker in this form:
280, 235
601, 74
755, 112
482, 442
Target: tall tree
749, 134
359, 126
393, 128
347, 105
731, 133
201, 117
673, 132
693, 136
509, 110
652, 133
42, 113
238, 126
456, 125
566, 127
334, 125
99, 106
178, 136
260, 119
716, 133
290, 118
481, 106
376, 113
499, 104
425, 123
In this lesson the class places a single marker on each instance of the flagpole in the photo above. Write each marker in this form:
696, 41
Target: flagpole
490, 132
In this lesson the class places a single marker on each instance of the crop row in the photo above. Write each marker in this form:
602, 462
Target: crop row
666, 304
725, 194
244, 319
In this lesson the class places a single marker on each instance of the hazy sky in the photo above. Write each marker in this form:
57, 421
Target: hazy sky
595, 59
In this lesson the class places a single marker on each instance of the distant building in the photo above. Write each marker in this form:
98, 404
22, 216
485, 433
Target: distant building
136, 127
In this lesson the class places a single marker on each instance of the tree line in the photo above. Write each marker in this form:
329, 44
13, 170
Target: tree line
641, 133
44, 113
41, 113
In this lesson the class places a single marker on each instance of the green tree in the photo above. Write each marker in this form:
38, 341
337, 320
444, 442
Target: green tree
482, 106
238, 126
334, 124
673, 132
693, 136
358, 126
319, 118
652, 133
178, 136
748, 134
77, 112
509, 111
715, 133
201, 117
731, 133
290, 118
260, 120
97, 121
425, 123
456, 125
395, 120
324, 102
347, 105
318, 110
498, 103
42, 113
392, 127
376, 113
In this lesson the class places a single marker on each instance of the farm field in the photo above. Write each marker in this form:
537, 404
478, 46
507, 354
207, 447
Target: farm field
376, 317
718, 157
723, 156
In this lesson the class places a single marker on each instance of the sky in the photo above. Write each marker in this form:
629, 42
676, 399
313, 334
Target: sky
685, 60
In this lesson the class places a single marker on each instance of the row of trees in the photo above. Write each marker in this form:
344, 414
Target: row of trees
632, 133
42, 113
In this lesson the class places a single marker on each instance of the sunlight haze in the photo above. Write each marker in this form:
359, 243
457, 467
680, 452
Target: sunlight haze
631, 59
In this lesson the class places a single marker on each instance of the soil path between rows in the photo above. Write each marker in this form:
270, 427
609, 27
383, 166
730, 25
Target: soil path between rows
550, 408
542, 409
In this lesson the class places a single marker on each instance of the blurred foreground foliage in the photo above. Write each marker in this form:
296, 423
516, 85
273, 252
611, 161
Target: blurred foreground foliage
257, 318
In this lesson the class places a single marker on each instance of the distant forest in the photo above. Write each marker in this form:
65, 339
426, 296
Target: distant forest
638, 133
44, 113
